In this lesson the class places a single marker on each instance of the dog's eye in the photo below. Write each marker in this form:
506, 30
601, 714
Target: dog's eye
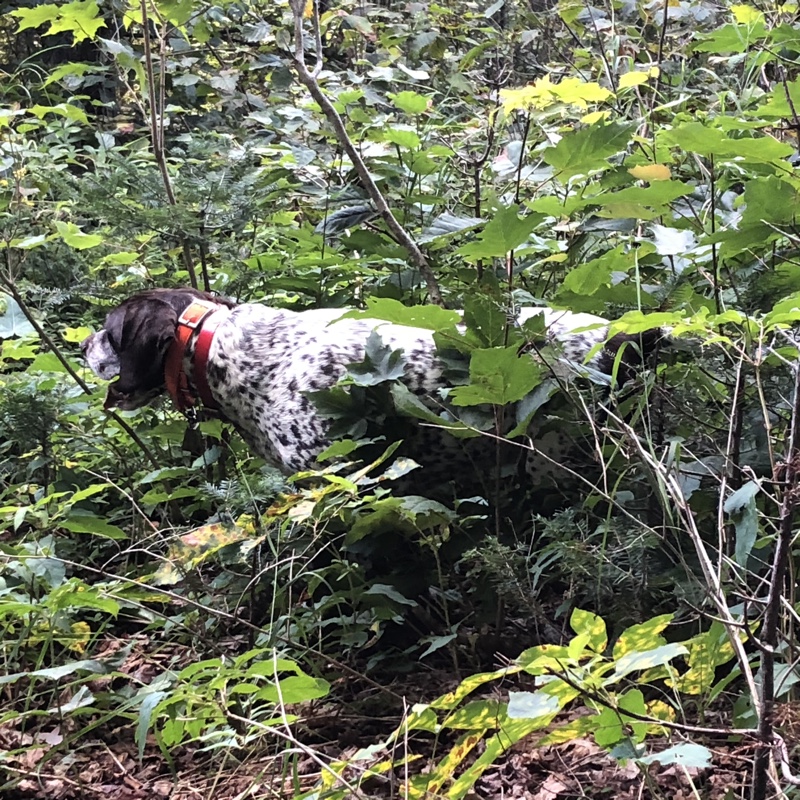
111, 341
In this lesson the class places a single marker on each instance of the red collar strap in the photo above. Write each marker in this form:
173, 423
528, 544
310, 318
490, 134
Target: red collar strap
202, 316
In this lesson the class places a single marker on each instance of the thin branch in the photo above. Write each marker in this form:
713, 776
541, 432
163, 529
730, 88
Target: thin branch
670, 484
157, 126
309, 79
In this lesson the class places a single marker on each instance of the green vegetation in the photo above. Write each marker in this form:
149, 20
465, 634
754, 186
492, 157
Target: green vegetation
178, 616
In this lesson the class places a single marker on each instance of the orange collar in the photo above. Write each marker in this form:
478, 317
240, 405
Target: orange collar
202, 316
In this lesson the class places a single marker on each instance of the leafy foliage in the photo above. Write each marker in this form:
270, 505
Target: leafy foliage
629, 160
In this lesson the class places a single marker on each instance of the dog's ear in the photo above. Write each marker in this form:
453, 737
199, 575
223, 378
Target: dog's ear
141, 332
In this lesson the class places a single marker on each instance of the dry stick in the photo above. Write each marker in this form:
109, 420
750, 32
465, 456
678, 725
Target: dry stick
769, 630
157, 131
309, 79
46, 338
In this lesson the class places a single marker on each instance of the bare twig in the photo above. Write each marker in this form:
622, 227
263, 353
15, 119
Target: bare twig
309, 79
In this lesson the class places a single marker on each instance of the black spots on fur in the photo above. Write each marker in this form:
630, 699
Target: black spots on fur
292, 386
217, 373
328, 368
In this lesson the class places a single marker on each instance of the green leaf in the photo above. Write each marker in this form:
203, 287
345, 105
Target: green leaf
66, 110
339, 449
637, 322
29, 242
586, 150
435, 643
694, 137
707, 651
432, 318
476, 715
410, 102
89, 491
741, 505
381, 363
448, 224
178, 12
407, 403
497, 376
74, 236
769, 199
191, 549
613, 724
405, 139
495, 746
47, 362
81, 18
587, 278
488, 319
502, 234
151, 700
644, 636
94, 525
586, 622
731, 39
36, 16
385, 590
641, 202
741, 498
296, 689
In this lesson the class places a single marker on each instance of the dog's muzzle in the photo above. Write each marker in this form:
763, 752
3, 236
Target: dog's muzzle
100, 355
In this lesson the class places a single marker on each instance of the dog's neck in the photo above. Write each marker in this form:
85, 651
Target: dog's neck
198, 322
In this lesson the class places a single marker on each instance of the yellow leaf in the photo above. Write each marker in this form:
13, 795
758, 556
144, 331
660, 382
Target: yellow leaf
76, 334
633, 79
187, 552
81, 633
747, 15
536, 95
651, 172
576, 92
308, 11
595, 116
544, 93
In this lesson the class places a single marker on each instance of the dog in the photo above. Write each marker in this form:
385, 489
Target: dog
259, 367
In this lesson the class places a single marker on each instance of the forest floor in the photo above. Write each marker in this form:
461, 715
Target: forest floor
106, 764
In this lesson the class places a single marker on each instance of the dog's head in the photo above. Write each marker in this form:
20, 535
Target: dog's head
133, 343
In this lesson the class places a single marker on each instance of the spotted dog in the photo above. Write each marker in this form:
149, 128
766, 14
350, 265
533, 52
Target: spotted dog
259, 367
